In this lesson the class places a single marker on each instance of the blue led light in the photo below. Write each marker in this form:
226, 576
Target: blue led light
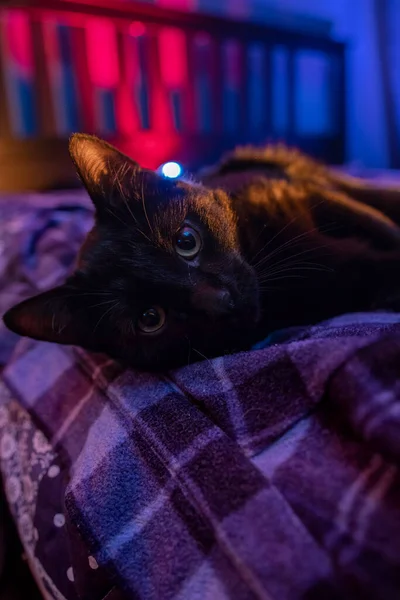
172, 170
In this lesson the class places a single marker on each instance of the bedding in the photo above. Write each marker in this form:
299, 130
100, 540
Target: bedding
267, 474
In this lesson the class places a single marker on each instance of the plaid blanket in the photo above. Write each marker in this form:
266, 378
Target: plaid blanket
269, 474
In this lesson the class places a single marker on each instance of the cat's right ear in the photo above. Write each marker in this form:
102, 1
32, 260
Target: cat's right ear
111, 177
101, 168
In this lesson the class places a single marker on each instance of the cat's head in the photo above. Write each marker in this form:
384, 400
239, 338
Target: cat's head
159, 280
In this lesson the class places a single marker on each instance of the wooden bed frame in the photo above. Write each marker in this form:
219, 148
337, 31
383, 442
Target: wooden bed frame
152, 111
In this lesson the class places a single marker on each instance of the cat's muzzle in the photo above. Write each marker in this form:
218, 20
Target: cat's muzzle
213, 301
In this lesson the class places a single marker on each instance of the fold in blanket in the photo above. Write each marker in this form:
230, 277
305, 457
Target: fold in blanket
271, 473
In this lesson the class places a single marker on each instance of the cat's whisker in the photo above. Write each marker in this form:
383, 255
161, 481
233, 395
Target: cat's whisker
271, 288
290, 242
270, 268
144, 207
286, 277
293, 220
292, 270
273, 238
295, 265
79, 295
303, 252
124, 224
106, 313
117, 180
202, 355
189, 350
190, 274
124, 170
102, 303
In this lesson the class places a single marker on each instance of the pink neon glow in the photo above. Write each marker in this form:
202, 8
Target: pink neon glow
137, 29
173, 63
152, 148
127, 116
20, 41
102, 53
178, 4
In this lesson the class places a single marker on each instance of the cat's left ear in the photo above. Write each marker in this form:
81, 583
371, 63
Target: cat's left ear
58, 315
109, 175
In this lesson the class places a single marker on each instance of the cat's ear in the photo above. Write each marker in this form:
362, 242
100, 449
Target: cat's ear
52, 316
109, 175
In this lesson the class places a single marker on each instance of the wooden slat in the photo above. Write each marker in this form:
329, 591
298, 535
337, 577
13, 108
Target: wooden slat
186, 20
341, 102
189, 109
43, 93
268, 86
215, 65
291, 94
128, 119
83, 80
190, 145
243, 91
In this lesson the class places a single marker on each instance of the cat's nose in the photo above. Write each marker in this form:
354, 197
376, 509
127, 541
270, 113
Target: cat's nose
212, 300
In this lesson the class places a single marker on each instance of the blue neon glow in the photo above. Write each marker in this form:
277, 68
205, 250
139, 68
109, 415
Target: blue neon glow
172, 170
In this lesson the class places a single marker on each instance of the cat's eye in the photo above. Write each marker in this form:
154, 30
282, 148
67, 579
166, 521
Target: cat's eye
187, 242
151, 320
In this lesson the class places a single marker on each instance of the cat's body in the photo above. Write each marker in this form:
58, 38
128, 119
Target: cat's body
176, 271
313, 255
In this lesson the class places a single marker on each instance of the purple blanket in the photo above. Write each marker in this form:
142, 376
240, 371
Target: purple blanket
268, 474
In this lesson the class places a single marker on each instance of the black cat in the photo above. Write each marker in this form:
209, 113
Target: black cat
173, 271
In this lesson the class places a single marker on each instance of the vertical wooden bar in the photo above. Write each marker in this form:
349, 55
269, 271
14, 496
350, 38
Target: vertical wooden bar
83, 79
189, 107
291, 94
341, 99
243, 90
268, 83
128, 119
43, 92
5, 117
215, 65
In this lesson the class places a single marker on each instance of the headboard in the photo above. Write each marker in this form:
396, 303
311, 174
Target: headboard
160, 84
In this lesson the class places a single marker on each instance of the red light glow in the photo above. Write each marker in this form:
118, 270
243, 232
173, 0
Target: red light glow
172, 48
137, 29
19, 41
127, 115
102, 53
178, 4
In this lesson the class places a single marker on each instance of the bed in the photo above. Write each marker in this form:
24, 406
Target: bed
272, 473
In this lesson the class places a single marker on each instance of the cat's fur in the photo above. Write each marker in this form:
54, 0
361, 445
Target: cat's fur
284, 242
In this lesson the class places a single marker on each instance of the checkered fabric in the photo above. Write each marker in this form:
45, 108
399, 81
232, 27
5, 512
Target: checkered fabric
268, 474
